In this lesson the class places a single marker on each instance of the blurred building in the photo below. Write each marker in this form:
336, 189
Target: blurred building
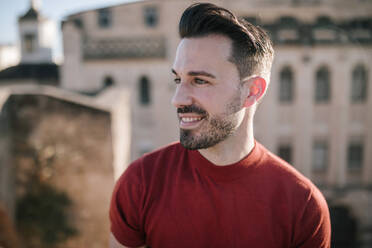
316, 115
36, 35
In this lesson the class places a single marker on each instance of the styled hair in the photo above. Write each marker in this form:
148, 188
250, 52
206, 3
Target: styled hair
252, 50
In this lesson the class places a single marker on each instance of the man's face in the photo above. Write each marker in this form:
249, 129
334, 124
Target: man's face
207, 98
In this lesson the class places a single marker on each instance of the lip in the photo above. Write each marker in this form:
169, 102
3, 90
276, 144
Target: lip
190, 121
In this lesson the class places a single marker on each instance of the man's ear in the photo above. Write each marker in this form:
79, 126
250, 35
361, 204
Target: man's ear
256, 89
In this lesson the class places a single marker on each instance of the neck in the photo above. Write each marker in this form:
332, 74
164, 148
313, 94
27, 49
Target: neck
234, 148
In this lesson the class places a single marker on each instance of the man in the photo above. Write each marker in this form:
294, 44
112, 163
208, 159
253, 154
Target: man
218, 187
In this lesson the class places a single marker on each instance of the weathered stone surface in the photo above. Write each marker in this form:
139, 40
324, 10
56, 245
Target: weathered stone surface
72, 145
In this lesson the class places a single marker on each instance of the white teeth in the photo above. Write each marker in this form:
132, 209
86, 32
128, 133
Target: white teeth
190, 119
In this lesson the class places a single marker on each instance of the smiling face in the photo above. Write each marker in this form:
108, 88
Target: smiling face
208, 97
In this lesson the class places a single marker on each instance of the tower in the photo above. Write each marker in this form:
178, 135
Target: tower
36, 36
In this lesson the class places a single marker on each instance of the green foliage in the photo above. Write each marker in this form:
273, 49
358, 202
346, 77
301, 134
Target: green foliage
41, 216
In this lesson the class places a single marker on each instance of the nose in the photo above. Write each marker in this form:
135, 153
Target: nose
182, 96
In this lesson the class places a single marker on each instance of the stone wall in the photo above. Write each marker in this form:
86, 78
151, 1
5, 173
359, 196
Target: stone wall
6, 168
72, 145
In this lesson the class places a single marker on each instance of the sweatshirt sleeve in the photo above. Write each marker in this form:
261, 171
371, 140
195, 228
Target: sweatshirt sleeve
313, 226
125, 208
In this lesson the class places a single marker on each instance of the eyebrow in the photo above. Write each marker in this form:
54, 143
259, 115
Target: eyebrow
196, 73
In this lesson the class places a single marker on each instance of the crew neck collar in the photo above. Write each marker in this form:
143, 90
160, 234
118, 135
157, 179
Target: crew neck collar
230, 171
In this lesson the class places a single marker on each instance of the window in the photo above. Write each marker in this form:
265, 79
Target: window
150, 15
107, 82
78, 22
325, 30
287, 29
285, 152
322, 86
287, 35
355, 156
286, 85
359, 29
104, 18
359, 84
320, 156
29, 43
144, 91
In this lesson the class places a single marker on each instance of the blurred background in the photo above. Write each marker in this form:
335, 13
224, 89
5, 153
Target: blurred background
85, 88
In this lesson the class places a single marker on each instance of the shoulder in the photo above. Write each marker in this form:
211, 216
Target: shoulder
146, 169
282, 172
292, 183
297, 193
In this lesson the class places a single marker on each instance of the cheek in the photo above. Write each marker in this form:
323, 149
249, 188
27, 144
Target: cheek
218, 103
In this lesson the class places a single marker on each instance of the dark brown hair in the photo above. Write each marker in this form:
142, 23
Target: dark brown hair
252, 50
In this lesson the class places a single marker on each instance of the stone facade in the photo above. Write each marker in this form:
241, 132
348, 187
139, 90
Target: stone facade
7, 182
72, 145
315, 111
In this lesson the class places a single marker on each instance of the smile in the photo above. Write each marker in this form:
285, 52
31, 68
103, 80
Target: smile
190, 119
190, 122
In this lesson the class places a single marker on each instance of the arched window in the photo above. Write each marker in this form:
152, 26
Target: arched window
151, 16
144, 91
359, 84
286, 85
29, 43
322, 85
104, 18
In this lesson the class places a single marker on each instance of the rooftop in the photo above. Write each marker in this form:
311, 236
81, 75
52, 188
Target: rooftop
42, 71
31, 14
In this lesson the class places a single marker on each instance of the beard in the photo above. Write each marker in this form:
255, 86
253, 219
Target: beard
214, 130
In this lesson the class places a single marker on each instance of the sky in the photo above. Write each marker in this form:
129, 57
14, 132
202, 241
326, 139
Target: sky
56, 10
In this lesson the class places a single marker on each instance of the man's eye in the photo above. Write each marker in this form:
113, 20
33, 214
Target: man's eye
177, 80
200, 81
